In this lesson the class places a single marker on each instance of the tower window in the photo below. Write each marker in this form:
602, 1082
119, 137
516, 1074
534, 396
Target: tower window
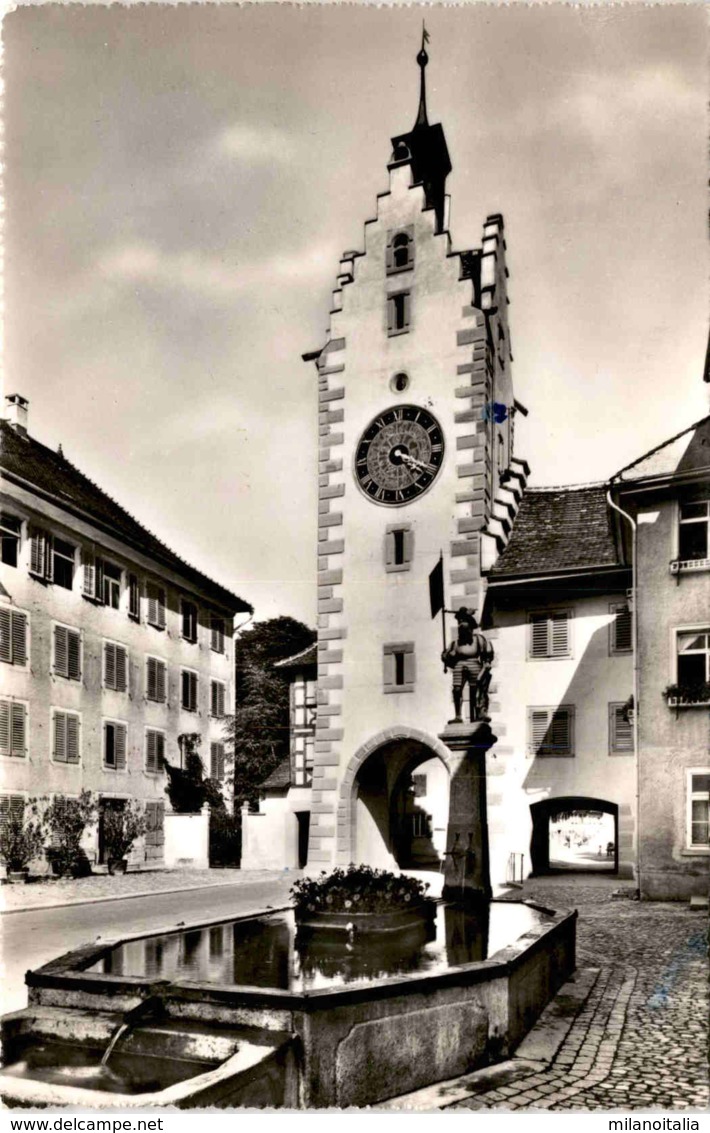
399, 547
398, 313
400, 249
398, 666
399, 383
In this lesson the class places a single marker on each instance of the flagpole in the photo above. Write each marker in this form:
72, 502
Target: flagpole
443, 604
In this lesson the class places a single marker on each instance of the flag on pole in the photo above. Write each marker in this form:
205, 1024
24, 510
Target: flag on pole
425, 34
436, 588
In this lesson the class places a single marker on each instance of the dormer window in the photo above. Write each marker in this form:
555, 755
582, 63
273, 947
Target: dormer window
400, 249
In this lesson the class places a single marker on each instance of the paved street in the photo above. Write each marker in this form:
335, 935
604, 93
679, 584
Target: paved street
639, 1041
32, 938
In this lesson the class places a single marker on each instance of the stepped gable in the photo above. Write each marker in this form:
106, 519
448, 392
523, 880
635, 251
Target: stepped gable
27, 461
559, 529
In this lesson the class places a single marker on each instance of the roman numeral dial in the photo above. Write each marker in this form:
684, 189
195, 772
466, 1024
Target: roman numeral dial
399, 455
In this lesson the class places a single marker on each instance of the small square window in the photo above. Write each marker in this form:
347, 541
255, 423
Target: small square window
398, 667
549, 635
551, 731
400, 250
698, 808
399, 548
693, 527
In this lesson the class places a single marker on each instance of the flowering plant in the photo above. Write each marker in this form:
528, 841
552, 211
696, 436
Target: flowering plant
357, 889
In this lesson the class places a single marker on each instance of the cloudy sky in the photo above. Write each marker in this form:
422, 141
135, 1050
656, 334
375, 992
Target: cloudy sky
181, 181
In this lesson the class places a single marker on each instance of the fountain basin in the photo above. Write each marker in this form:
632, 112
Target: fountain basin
366, 1025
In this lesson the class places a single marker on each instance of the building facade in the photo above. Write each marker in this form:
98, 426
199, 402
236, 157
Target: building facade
111, 647
665, 495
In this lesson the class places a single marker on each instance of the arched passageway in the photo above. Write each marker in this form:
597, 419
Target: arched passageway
575, 833
400, 807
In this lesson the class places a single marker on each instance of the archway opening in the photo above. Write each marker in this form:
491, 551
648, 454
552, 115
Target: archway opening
401, 807
575, 834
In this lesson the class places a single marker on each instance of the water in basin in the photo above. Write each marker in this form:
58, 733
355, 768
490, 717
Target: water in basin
63, 1064
268, 951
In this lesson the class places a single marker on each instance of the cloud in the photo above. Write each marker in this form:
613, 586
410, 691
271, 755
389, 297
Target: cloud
213, 278
249, 143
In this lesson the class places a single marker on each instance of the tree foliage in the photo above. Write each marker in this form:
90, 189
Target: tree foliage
258, 733
188, 787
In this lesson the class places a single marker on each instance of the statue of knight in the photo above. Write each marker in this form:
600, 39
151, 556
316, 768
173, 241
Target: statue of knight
470, 658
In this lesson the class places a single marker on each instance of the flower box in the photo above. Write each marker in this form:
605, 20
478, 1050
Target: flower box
687, 702
362, 924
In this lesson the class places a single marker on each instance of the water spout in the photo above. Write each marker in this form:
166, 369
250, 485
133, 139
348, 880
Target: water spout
153, 1005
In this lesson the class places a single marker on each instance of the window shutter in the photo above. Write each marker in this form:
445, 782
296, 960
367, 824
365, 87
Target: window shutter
409, 667
19, 638
559, 739
151, 680
17, 739
622, 736
150, 755
134, 599
72, 739
390, 314
156, 605
39, 564
5, 727
150, 822
110, 664
120, 746
388, 669
11, 806
160, 674
622, 630
389, 255
538, 637
559, 635
217, 761
121, 669
60, 737
389, 548
408, 546
89, 569
5, 636
74, 656
61, 651
539, 720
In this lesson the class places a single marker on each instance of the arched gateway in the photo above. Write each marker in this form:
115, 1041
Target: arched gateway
394, 800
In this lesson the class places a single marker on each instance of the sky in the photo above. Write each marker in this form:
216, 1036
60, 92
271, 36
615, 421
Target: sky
180, 182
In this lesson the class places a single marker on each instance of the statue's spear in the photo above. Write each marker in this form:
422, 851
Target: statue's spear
436, 595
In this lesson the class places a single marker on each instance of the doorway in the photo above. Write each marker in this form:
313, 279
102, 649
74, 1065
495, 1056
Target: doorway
105, 805
575, 834
303, 818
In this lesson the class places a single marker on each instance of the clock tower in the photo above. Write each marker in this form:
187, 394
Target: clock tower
416, 467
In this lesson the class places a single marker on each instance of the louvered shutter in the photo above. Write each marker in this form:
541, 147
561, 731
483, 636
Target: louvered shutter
185, 692
622, 730
120, 746
60, 737
539, 720
89, 573
160, 681
152, 679
61, 651
5, 727
152, 604
558, 740
559, 635
160, 751
538, 636
409, 667
72, 738
150, 751
121, 669
17, 729
74, 656
11, 806
110, 664
39, 553
19, 638
5, 635
622, 630
150, 822
389, 548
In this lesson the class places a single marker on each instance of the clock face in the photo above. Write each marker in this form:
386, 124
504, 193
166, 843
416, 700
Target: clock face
399, 455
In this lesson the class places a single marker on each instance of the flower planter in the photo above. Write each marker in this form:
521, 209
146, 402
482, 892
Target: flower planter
119, 865
362, 924
18, 876
686, 702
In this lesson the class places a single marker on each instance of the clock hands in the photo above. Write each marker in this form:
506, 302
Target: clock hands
412, 462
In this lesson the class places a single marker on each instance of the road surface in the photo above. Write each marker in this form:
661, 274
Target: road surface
33, 938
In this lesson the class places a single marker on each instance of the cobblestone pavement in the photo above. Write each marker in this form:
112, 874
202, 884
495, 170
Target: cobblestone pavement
50, 894
641, 1039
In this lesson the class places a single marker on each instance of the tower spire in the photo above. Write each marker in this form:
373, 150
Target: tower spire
422, 60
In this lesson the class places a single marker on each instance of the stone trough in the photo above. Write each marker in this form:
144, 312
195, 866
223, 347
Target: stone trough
249, 1018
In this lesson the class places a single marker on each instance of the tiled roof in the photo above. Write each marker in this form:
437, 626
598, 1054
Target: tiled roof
280, 777
24, 458
559, 529
307, 656
688, 451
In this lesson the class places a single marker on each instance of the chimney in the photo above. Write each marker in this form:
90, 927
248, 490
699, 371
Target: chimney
16, 412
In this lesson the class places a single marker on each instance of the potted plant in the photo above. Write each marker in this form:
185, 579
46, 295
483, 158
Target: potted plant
361, 900
21, 840
121, 828
687, 695
67, 819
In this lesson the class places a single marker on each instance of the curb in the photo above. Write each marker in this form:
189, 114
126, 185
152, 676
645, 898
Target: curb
131, 896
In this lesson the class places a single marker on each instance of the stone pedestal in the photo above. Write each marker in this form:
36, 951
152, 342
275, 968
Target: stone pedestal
466, 869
